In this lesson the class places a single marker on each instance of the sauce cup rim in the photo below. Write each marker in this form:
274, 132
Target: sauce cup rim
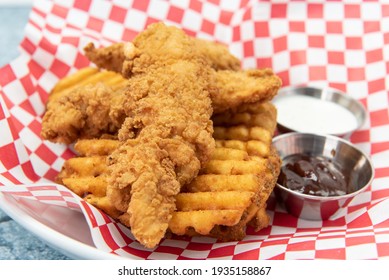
327, 198
322, 93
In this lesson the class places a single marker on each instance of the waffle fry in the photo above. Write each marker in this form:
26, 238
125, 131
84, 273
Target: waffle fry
229, 193
251, 114
86, 76
243, 162
256, 183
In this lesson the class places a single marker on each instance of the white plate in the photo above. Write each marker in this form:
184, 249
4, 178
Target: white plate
62, 229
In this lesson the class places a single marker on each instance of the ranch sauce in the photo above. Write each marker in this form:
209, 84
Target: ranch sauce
312, 115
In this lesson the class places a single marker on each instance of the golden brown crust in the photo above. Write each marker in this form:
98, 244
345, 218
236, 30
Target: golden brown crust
85, 112
244, 87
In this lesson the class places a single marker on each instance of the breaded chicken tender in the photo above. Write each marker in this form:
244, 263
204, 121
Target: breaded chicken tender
91, 111
120, 57
237, 88
166, 136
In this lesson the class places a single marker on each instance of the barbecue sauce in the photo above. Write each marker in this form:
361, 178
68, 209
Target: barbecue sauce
313, 175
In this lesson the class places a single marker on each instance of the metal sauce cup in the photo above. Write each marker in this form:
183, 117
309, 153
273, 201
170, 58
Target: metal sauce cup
319, 94
354, 163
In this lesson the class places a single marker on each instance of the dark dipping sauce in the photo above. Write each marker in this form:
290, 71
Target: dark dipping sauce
313, 175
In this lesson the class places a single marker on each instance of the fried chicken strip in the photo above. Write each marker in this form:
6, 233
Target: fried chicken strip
119, 57
166, 137
217, 55
237, 88
91, 111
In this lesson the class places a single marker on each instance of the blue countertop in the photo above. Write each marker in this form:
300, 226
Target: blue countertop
15, 242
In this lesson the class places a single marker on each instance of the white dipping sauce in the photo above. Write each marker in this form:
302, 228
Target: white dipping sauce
312, 115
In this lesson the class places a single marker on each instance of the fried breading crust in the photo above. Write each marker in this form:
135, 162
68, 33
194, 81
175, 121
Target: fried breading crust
120, 56
91, 111
237, 88
167, 134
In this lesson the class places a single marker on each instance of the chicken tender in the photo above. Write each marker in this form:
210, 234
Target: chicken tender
91, 111
237, 88
166, 137
120, 57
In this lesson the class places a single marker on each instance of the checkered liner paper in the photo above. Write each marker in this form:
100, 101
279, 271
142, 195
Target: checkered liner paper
335, 44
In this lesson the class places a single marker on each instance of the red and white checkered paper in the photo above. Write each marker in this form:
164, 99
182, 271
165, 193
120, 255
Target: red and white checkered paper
336, 44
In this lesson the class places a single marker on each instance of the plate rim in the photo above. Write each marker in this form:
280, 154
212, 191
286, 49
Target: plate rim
66, 245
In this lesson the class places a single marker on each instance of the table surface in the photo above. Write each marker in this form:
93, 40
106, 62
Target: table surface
15, 242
